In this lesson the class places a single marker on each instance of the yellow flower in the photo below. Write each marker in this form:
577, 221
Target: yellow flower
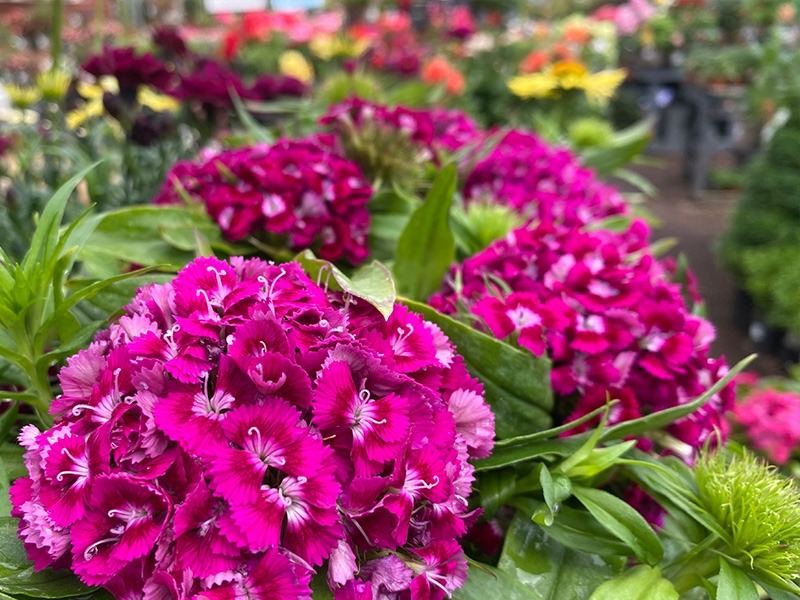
327, 46
323, 46
157, 102
293, 64
93, 94
535, 85
90, 110
21, 97
601, 86
53, 84
94, 91
570, 74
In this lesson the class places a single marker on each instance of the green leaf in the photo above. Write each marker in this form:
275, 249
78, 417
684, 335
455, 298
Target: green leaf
137, 235
555, 431
550, 569
13, 556
11, 454
96, 288
637, 180
319, 587
626, 145
5, 485
504, 457
70, 346
675, 491
8, 419
599, 460
623, 521
555, 490
516, 383
660, 419
579, 530
639, 583
485, 583
45, 238
734, 584
427, 248
256, 131
43, 585
777, 593
614, 223
119, 294
587, 448
372, 282
496, 488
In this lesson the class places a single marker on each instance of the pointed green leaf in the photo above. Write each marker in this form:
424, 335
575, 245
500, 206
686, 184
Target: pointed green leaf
5, 485
71, 345
119, 294
554, 431
504, 457
660, 419
497, 488
89, 291
44, 585
137, 234
639, 583
614, 223
372, 282
555, 490
45, 238
256, 131
734, 584
427, 248
516, 383
599, 460
20, 360
201, 245
577, 529
26, 397
623, 521
550, 569
485, 583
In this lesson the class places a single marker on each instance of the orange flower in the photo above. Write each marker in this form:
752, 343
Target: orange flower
437, 70
577, 34
534, 61
786, 13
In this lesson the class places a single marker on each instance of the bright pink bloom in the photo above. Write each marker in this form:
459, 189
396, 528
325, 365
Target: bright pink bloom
295, 189
771, 419
241, 425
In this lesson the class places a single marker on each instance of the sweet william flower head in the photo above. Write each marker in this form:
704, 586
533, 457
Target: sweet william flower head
757, 508
295, 192
240, 426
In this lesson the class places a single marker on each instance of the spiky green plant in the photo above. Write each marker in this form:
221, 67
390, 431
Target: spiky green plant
757, 508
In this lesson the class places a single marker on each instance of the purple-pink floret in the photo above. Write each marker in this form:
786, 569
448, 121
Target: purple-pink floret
295, 189
242, 425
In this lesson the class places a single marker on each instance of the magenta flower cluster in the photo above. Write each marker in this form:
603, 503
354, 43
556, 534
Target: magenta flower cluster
542, 182
240, 426
434, 130
294, 188
595, 301
771, 419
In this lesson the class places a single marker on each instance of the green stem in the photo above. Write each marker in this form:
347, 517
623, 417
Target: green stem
55, 35
689, 574
99, 23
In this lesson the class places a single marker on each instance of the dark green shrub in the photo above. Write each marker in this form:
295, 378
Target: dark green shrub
762, 245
